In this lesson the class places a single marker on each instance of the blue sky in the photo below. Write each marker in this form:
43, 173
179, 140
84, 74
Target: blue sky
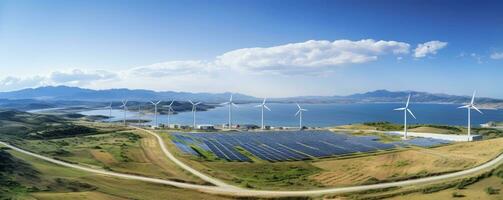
305, 47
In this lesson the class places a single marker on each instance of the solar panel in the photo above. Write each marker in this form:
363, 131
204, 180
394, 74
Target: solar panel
288, 145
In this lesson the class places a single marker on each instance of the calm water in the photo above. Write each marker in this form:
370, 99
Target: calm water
282, 114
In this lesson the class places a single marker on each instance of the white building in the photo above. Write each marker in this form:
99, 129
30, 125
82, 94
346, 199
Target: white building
205, 127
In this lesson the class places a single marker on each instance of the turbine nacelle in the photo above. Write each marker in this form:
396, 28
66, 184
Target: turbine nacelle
471, 105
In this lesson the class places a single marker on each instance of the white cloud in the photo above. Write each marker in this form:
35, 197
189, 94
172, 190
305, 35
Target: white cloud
310, 57
171, 68
310, 54
497, 55
79, 77
14, 83
430, 47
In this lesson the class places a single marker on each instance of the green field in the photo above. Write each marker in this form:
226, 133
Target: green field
131, 151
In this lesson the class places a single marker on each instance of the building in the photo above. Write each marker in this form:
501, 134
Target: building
206, 127
449, 137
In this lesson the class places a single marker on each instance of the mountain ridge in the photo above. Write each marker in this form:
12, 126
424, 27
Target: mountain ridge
67, 93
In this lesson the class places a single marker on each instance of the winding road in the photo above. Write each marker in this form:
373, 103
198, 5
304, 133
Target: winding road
223, 188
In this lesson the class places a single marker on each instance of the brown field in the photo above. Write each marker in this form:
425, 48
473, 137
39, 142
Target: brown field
475, 191
106, 188
104, 157
407, 163
74, 195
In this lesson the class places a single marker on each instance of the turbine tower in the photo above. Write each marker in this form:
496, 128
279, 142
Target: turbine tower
155, 111
405, 110
231, 104
124, 105
299, 113
110, 112
139, 115
194, 109
469, 107
262, 106
170, 109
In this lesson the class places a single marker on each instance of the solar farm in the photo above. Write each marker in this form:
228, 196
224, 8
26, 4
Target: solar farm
287, 145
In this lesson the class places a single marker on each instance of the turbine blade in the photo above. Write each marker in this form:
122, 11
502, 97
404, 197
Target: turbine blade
411, 113
267, 108
158, 102
260, 105
191, 102
304, 109
477, 109
473, 97
224, 103
297, 113
152, 102
171, 103
230, 100
399, 109
408, 100
263, 102
197, 103
465, 106
298, 106
233, 104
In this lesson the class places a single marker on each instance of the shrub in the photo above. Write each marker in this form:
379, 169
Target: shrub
490, 190
457, 195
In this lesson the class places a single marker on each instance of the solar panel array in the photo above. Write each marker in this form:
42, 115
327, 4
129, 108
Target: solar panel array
286, 145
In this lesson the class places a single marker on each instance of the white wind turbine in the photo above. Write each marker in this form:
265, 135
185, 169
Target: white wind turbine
170, 109
139, 115
110, 112
299, 113
469, 107
405, 110
124, 105
231, 104
194, 109
155, 111
262, 106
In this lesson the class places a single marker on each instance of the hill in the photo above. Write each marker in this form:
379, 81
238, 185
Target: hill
47, 97
81, 94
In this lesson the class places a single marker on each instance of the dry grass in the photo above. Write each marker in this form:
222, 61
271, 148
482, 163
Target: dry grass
74, 195
104, 157
413, 162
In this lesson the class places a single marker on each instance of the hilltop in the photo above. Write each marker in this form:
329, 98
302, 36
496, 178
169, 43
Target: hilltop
47, 97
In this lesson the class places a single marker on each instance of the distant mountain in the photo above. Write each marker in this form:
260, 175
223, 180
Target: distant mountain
52, 93
45, 97
385, 96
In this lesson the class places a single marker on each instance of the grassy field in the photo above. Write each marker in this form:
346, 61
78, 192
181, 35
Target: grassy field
55, 182
400, 164
371, 128
121, 150
410, 163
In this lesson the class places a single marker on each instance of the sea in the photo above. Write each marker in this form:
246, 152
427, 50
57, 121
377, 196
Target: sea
319, 115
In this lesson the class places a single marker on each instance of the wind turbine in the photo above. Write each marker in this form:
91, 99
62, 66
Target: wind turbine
469, 107
405, 110
110, 112
299, 113
155, 111
170, 109
231, 104
194, 109
124, 102
139, 115
262, 105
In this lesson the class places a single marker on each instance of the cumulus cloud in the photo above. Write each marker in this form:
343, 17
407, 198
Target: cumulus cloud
171, 68
13, 83
310, 54
497, 55
79, 77
430, 47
